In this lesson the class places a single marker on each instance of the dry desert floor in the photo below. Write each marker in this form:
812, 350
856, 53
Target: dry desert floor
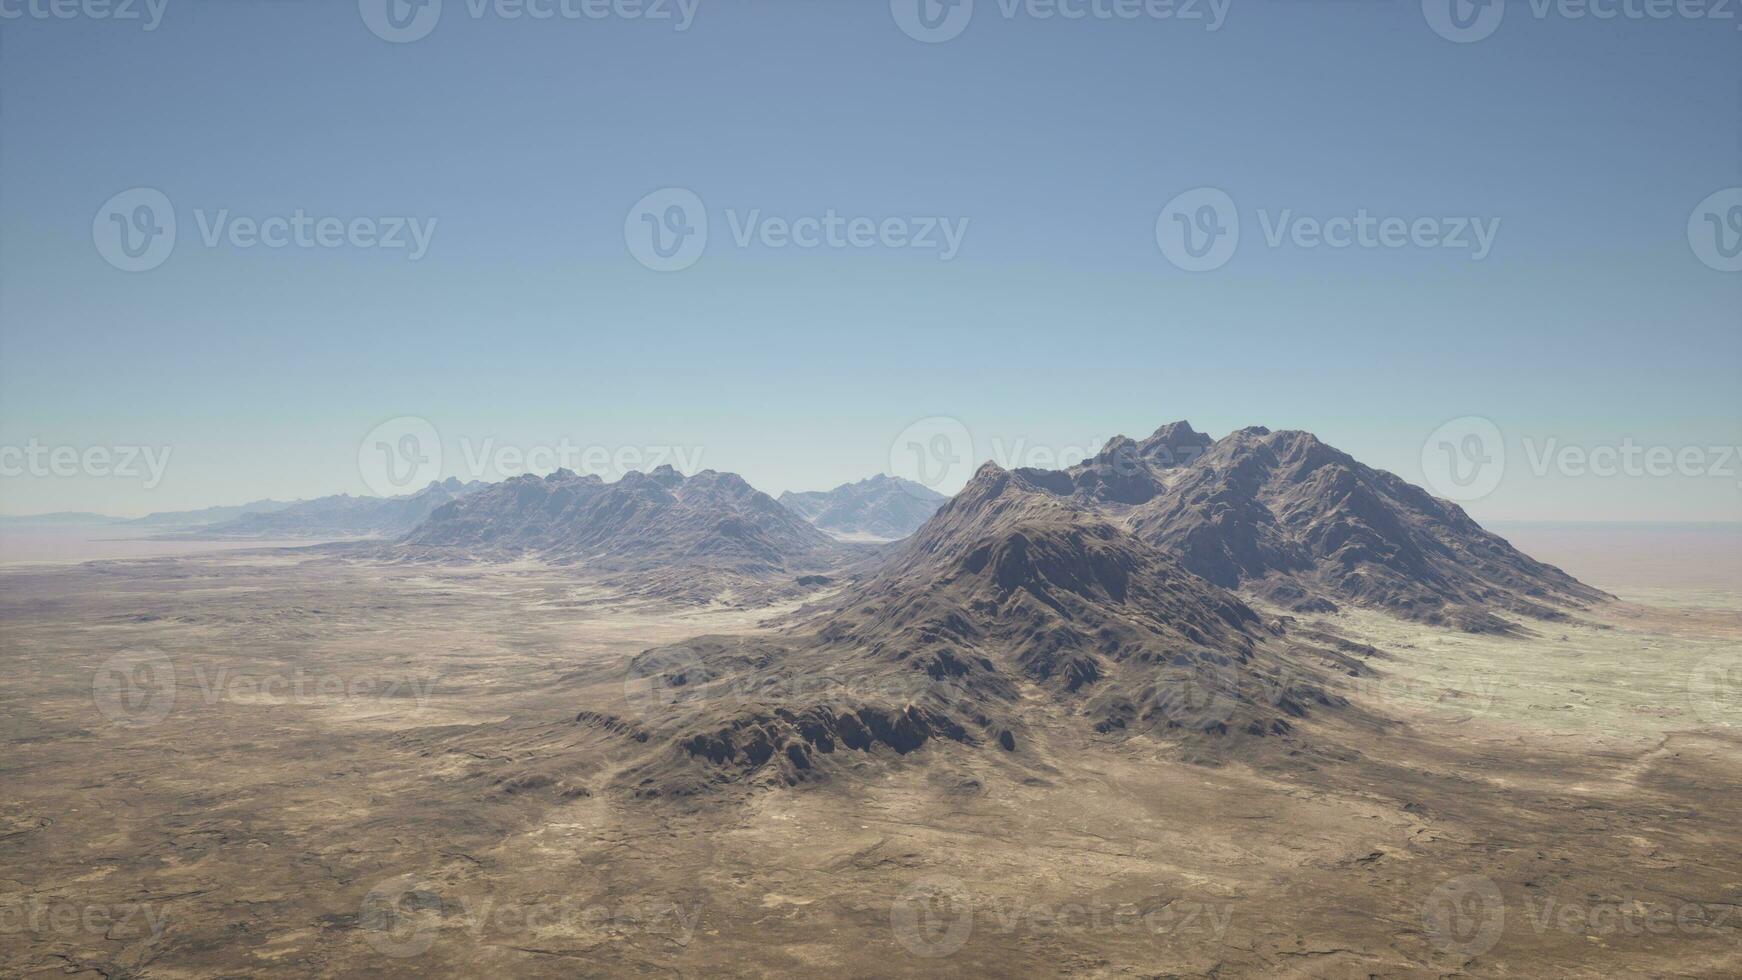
289, 763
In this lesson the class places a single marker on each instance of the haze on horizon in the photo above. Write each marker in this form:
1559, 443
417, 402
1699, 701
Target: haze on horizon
526, 320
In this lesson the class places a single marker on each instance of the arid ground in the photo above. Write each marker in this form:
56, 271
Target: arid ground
312, 763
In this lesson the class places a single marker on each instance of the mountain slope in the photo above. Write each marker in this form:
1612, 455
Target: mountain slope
1306, 525
658, 521
880, 507
1014, 606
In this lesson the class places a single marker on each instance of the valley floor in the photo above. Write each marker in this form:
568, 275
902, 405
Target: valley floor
293, 764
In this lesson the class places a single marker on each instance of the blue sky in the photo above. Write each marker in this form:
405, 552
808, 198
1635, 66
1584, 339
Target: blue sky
1058, 322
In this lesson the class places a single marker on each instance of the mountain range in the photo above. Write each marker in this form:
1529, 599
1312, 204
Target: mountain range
672, 535
210, 515
878, 508
339, 515
1012, 607
1109, 593
1287, 517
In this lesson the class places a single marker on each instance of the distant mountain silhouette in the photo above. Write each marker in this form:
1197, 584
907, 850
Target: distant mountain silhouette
667, 529
878, 507
341, 515
210, 515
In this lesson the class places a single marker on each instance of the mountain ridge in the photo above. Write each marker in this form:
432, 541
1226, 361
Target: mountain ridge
879, 507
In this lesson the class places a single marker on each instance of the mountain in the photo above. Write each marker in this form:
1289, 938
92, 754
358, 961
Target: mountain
1303, 524
210, 515
1015, 606
661, 525
341, 515
60, 518
879, 508
1100, 598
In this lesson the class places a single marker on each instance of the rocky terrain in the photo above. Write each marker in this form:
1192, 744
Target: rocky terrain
1104, 595
308, 762
1285, 516
1011, 607
657, 533
879, 508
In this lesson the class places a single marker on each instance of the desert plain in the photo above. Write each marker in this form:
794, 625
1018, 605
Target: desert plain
294, 762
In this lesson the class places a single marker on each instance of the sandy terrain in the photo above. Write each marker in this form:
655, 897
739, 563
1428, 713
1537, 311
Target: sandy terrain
294, 764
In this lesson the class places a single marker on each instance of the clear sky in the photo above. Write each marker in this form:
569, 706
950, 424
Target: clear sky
1589, 319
